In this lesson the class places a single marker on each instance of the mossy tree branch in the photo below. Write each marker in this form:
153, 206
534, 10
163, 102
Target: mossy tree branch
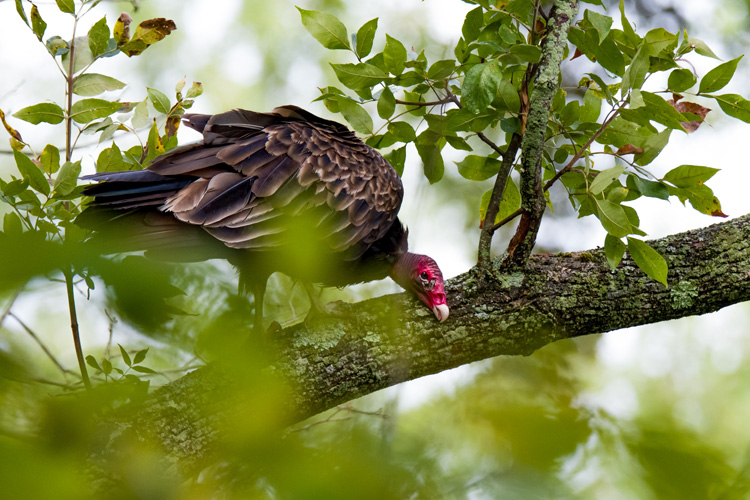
561, 18
392, 339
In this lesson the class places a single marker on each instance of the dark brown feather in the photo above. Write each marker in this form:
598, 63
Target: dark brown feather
259, 180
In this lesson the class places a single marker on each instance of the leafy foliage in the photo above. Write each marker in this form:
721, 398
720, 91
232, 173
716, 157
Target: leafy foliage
603, 141
600, 158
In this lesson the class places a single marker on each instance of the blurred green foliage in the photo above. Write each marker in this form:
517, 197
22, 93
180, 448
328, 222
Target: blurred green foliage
538, 427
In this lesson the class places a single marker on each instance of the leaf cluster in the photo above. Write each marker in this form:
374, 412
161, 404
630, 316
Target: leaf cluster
602, 136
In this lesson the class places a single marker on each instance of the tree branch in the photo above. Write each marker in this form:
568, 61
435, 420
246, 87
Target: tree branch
532, 195
392, 339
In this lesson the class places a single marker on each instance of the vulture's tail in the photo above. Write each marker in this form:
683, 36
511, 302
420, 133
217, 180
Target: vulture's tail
133, 189
125, 217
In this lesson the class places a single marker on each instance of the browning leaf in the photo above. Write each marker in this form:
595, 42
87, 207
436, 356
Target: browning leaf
121, 31
628, 149
577, 54
173, 123
13, 132
148, 33
693, 108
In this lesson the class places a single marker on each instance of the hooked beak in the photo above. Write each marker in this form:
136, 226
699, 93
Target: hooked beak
441, 312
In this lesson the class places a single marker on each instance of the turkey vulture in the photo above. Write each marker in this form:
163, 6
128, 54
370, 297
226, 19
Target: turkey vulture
282, 191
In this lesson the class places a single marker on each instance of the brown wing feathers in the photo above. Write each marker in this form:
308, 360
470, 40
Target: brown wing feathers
255, 171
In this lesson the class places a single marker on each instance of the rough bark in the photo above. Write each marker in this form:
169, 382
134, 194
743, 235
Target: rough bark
545, 86
392, 339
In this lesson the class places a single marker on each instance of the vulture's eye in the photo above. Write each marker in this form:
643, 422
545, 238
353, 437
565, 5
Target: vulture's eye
424, 275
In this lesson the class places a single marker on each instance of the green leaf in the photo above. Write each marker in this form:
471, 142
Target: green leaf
358, 118
612, 217
648, 260
394, 55
12, 224
526, 52
507, 97
463, 120
110, 160
365, 37
57, 46
140, 356
509, 204
604, 179
429, 145
46, 112
592, 107
614, 249
386, 104
19, 9
635, 74
196, 89
680, 80
359, 76
38, 26
91, 84
734, 105
478, 168
601, 23
67, 179
87, 110
652, 146
125, 356
603, 87
146, 34
690, 175
402, 131
397, 159
325, 28
702, 199
99, 37
140, 115
701, 48
472, 24
159, 100
441, 69
91, 361
459, 143
143, 369
717, 78
66, 6
480, 86
571, 113
660, 42
31, 171
648, 188
50, 159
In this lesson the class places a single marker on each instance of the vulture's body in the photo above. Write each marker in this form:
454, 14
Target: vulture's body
283, 191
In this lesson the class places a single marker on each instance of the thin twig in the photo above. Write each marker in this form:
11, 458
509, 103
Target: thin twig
445, 100
74, 329
39, 342
9, 305
509, 218
585, 147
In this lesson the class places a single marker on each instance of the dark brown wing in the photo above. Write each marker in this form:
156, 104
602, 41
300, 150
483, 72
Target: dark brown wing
260, 171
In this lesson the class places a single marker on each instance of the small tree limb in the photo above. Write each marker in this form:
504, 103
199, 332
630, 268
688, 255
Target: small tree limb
532, 195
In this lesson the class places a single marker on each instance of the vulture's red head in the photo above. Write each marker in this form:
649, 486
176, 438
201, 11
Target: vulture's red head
421, 275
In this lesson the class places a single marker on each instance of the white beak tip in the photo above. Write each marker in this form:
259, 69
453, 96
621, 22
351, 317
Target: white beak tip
441, 312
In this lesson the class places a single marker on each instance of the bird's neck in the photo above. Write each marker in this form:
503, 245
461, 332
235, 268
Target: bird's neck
402, 269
